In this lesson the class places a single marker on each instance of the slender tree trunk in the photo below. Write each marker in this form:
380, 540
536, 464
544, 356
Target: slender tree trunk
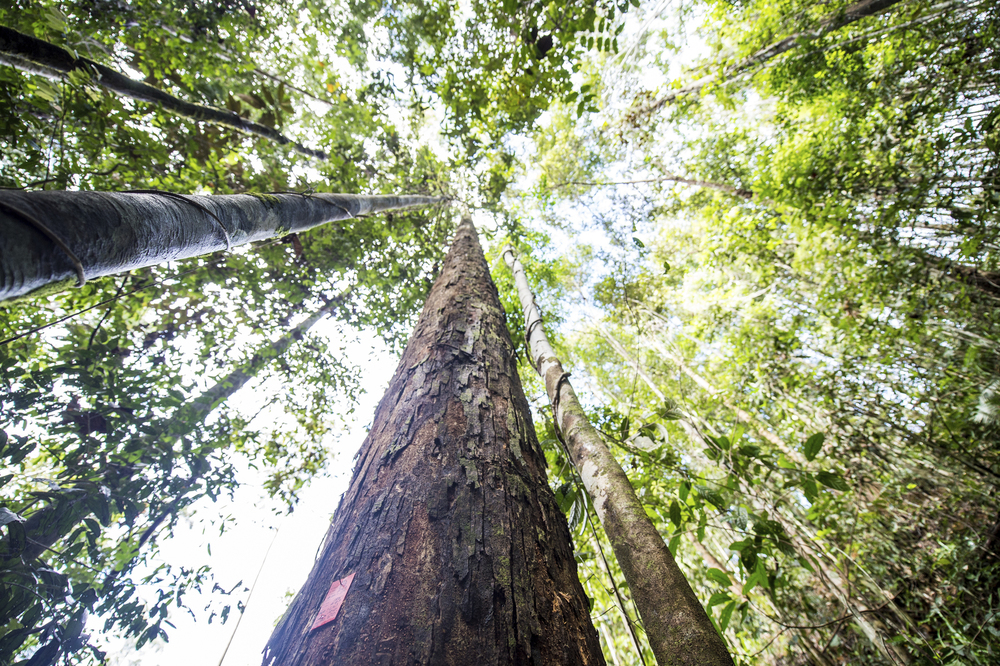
59, 517
741, 414
51, 239
736, 590
458, 551
36, 56
679, 631
668, 178
855, 12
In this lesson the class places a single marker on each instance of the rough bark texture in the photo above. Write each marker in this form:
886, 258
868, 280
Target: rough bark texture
680, 633
460, 553
37, 56
43, 234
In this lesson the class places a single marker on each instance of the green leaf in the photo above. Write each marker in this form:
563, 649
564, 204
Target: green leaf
726, 615
670, 411
758, 576
749, 559
737, 434
718, 598
7, 516
712, 496
720, 577
810, 489
666, 267
740, 518
813, 445
832, 480
673, 545
17, 538
675, 513
638, 243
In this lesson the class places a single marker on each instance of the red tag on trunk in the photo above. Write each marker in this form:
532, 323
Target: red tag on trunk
334, 600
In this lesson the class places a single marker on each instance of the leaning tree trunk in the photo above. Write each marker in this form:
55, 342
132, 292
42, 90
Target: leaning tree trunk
66, 509
69, 507
679, 630
37, 56
448, 543
51, 239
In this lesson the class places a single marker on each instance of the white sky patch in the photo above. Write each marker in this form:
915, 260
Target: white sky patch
237, 554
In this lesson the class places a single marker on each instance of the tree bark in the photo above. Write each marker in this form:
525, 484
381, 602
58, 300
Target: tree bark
459, 552
37, 56
678, 628
51, 239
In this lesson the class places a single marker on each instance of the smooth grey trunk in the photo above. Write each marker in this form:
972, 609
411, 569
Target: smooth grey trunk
855, 12
678, 628
52, 239
48, 524
37, 56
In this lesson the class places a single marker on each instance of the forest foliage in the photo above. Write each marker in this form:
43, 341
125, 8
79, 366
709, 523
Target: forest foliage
776, 290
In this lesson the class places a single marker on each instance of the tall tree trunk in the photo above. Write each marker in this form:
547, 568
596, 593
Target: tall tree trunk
679, 631
457, 549
37, 56
51, 239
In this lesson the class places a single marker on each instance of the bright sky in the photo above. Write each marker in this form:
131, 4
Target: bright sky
251, 518
237, 554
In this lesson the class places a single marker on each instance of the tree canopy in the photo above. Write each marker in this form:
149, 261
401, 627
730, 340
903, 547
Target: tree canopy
764, 236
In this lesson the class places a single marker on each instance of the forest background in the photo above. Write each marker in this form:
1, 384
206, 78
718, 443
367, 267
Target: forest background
764, 236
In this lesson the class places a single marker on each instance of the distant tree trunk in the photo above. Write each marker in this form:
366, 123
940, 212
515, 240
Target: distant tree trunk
51, 522
36, 56
22, 557
668, 178
679, 630
51, 239
458, 551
